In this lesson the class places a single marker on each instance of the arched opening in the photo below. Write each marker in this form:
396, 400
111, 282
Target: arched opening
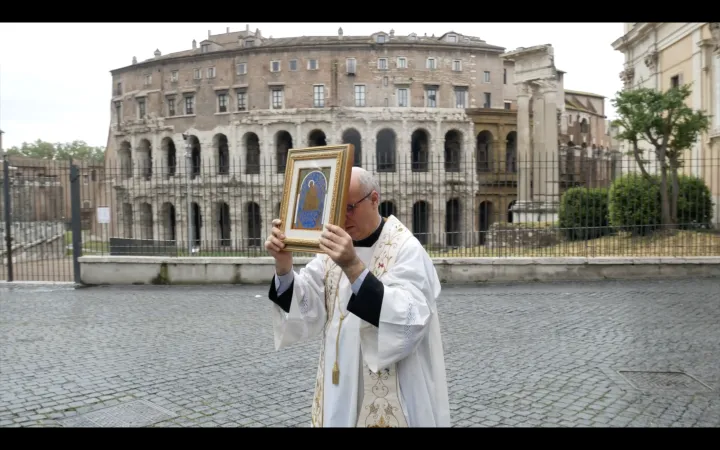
484, 220
584, 128
254, 224
453, 151
511, 152
196, 223
194, 157
220, 143
387, 209
421, 221
483, 151
419, 150
510, 211
252, 154
169, 221
316, 138
144, 151
452, 223
283, 143
352, 136
223, 223
146, 221
385, 150
167, 147
127, 220
125, 158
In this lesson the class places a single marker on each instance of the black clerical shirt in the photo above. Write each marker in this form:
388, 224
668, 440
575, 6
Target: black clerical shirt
366, 304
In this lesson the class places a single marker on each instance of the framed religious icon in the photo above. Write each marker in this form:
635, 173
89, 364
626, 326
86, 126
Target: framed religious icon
317, 180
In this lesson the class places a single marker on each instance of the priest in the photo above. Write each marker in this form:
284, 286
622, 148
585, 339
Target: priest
372, 298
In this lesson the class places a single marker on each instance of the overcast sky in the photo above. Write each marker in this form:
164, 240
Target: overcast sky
55, 79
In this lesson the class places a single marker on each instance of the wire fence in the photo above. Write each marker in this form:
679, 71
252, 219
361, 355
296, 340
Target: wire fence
578, 202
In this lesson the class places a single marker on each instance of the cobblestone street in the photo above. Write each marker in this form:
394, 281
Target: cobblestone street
562, 354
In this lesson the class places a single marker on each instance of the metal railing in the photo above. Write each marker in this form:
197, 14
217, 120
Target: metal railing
577, 202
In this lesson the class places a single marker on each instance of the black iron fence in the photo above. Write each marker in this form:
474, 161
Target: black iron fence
577, 202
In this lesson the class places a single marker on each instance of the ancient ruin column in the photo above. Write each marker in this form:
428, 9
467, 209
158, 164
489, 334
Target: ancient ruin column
551, 166
523, 143
538, 154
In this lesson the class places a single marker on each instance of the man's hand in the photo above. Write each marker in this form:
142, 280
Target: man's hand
274, 245
339, 247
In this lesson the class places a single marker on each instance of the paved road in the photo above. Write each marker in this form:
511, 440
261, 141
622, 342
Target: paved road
526, 355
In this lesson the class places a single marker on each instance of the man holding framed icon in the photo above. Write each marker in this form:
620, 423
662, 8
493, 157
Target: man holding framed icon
370, 293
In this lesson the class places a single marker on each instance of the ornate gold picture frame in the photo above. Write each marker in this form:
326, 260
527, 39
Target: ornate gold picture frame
317, 180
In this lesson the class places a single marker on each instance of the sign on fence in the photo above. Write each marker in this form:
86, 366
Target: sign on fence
103, 214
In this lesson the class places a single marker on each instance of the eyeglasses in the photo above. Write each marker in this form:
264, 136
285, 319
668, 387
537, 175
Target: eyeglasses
351, 208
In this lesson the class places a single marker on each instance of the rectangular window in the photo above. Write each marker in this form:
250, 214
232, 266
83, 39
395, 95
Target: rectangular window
118, 90
486, 76
197, 74
403, 97
222, 103
351, 65
382, 64
457, 65
211, 72
275, 66
319, 96
293, 65
504, 76
148, 80
277, 98
359, 95
402, 63
508, 105
487, 103
461, 98
242, 101
118, 111
430, 63
312, 64
189, 105
431, 97
174, 75
141, 108
241, 68
171, 106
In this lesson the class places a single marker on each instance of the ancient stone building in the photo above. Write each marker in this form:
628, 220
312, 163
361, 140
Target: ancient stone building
242, 100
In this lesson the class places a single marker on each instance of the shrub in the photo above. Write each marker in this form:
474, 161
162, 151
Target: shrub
695, 205
635, 203
584, 213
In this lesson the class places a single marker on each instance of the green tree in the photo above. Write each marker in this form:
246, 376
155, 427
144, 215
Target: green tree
76, 150
663, 120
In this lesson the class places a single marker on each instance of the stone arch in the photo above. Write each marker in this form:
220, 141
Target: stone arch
584, 128
251, 141
510, 215
483, 151
197, 223
421, 221
453, 223
387, 208
453, 150
283, 143
511, 152
485, 220
168, 221
124, 155
169, 155
223, 224
385, 150
317, 138
420, 150
195, 156
222, 153
146, 221
254, 224
352, 136
144, 158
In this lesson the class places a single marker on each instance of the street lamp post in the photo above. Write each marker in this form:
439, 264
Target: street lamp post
188, 168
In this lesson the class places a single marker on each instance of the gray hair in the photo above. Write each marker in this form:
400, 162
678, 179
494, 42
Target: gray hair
367, 180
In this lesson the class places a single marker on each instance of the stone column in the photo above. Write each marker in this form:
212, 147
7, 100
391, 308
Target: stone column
538, 155
551, 167
523, 143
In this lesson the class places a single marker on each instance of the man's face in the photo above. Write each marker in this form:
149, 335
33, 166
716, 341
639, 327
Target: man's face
362, 211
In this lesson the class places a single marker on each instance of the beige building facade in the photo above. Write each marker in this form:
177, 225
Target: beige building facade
242, 100
662, 55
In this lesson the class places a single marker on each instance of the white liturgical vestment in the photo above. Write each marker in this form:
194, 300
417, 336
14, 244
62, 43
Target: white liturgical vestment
382, 361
